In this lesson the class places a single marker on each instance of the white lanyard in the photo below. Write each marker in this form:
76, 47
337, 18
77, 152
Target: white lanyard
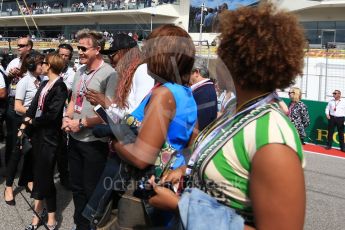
84, 82
44, 93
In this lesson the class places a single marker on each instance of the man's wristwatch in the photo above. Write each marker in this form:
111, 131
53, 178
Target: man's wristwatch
81, 125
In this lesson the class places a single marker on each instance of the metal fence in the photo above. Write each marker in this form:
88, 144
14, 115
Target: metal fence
324, 71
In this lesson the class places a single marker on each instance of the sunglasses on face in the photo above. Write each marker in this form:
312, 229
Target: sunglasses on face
44, 62
335, 93
22, 45
291, 93
83, 48
111, 56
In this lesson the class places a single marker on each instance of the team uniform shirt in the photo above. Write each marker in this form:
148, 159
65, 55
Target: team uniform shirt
2, 78
26, 89
68, 77
15, 63
336, 108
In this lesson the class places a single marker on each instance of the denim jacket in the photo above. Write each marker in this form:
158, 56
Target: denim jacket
200, 211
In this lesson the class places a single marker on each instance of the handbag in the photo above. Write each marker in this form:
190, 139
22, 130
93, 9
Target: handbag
165, 159
23, 144
26, 144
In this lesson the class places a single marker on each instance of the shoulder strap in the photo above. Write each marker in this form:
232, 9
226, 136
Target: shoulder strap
229, 132
4, 75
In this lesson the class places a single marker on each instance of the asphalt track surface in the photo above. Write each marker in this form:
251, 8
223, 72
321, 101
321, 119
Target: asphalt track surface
325, 183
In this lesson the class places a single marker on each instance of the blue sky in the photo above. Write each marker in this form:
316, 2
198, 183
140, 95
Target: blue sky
233, 4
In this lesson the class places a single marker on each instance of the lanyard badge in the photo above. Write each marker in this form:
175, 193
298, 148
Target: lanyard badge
78, 106
83, 83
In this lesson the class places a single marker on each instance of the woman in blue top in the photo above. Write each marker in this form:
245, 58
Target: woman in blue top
164, 120
168, 114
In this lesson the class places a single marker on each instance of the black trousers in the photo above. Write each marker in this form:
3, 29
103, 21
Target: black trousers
13, 157
339, 123
45, 148
87, 161
62, 158
13, 122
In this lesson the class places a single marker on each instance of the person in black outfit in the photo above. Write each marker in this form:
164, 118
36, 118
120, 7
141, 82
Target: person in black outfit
3, 102
335, 113
45, 118
204, 94
24, 46
25, 90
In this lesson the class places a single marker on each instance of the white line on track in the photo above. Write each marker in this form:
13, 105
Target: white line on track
326, 155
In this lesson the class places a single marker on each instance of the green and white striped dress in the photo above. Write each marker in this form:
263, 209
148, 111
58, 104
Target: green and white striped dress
225, 162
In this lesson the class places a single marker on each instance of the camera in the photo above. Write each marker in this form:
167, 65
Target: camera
145, 190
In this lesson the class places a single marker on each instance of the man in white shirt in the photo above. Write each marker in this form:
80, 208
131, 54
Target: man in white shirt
66, 52
3, 104
24, 45
335, 113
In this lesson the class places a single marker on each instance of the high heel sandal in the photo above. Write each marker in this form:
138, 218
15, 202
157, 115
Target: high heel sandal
52, 227
42, 215
32, 227
9, 202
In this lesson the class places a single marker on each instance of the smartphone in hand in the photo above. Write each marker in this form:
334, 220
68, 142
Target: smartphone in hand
100, 111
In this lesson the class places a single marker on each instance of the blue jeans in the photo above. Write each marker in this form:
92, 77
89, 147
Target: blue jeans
110, 180
201, 211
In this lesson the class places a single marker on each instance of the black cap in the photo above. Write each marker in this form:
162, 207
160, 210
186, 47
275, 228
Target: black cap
121, 41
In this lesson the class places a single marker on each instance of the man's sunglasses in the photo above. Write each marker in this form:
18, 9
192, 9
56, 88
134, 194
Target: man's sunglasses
83, 48
22, 45
335, 93
44, 62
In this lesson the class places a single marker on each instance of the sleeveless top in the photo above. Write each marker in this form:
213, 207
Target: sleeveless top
182, 125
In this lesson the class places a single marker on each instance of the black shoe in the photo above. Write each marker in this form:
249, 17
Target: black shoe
43, 215
328, 147
31, 227
9, 202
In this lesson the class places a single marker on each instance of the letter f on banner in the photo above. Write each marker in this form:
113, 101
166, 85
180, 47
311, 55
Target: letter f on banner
321, 133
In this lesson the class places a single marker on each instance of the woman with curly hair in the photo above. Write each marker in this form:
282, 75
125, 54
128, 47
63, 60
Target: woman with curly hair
298, 112
249, 162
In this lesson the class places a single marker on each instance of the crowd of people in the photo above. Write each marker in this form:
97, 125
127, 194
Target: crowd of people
81, 6
196, 149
